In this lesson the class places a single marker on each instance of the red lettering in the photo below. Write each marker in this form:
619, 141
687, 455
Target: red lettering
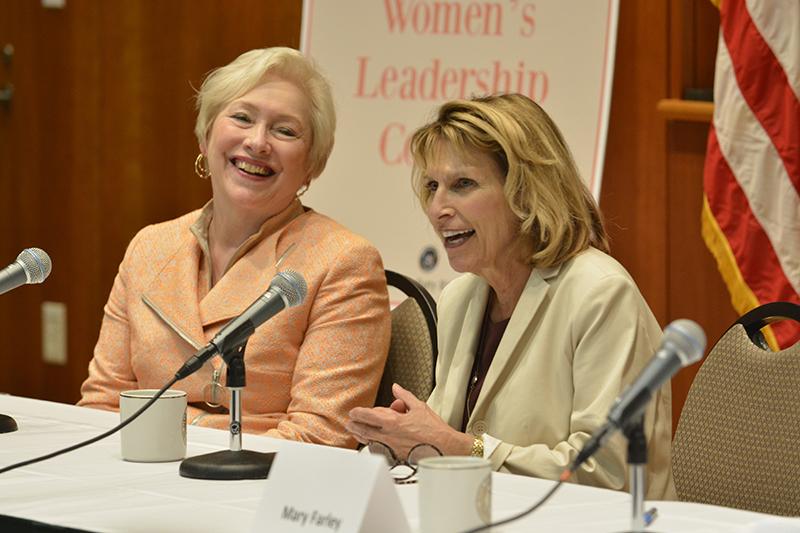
427, 81
533, 84
500, 72
520, 76
443, 17
497, 11
408, 87
436, 81
448, 78
397, 17
529, 24
462, 89
388, 78
426, 17
362, 76
473, 12
392, 145
480, 80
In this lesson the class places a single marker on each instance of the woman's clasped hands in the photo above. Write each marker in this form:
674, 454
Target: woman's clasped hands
407, 422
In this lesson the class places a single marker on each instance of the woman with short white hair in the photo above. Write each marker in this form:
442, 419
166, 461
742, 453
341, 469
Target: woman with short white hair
265, 129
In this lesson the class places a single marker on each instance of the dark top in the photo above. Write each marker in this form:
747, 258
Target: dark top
490, 336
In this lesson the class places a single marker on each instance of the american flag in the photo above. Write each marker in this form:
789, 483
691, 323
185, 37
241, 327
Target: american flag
751, 211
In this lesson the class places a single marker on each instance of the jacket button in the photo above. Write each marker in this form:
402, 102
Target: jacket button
479, 428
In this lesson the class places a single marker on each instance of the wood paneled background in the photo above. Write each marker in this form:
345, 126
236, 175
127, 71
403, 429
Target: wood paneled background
98, 143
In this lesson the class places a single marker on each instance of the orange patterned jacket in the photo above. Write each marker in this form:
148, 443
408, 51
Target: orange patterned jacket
306, 367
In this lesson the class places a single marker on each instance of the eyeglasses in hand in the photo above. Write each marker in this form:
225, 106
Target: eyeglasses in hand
403, 470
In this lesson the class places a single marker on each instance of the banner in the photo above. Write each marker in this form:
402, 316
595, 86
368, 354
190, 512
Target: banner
751, 209
392, 62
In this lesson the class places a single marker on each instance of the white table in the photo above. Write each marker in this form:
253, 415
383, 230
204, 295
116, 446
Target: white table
94, 489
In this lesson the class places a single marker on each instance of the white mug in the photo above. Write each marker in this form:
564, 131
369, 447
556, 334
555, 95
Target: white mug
455, 493
158, 434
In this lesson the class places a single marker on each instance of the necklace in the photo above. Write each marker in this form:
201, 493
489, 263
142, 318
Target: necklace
473, 381
213, 391
474, 375
490, 335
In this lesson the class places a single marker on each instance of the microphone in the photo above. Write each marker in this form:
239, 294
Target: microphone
33, 265
287, 289
683, 343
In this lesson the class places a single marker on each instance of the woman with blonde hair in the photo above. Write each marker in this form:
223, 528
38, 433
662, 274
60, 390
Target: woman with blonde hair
544, 329
265, 129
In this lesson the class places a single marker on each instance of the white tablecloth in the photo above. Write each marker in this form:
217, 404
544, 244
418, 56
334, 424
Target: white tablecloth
94, 489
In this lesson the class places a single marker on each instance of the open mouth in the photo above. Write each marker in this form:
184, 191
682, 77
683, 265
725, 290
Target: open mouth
253, 170
455, 238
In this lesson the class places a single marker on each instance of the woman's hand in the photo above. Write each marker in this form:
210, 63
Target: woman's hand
407, 422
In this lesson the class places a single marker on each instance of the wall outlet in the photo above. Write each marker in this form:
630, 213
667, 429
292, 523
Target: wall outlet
54, 333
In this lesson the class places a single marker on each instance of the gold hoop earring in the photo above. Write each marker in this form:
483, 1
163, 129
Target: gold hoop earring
201, 166
302, 190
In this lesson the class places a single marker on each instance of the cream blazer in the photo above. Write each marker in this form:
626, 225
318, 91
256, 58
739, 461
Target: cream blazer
306, 367
580, 333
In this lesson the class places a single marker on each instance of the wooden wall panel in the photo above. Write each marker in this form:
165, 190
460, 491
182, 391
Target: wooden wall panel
98, 144
633, 196
696, 288
11, 133
39, 137
702, 44
66, 96
653, 181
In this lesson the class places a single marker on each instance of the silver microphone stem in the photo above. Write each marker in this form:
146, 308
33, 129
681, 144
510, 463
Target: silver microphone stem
236, 419
637, 497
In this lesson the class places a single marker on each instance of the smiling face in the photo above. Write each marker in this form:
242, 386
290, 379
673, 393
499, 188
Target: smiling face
469, 211
257, 149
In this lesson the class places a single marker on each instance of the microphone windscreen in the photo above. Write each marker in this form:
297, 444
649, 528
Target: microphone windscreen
291, 285
36, 264
687, 338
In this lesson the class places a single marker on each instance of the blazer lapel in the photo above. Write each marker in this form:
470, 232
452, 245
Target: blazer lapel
246, 280
250, 274
521, 320
464, 354
173, 293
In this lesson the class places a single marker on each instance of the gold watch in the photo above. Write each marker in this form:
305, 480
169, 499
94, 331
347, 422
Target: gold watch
477, 447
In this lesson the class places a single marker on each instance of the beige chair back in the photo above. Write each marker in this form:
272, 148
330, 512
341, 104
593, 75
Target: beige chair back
412, 350
738, 439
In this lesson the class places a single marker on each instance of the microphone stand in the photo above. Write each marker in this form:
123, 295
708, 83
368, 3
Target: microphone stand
234, 463
637, 460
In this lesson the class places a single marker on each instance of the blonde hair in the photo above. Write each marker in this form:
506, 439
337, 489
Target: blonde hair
542, 184
225, 84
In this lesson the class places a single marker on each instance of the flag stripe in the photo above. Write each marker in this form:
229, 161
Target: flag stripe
764, 84
752, 249
741, 295
751, 209
784, 42
756, 166
744, 254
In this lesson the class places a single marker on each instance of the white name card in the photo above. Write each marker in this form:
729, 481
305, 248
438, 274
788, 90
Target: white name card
316, 489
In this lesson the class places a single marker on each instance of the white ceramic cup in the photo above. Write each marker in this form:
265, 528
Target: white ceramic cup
158, 434
455, 493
